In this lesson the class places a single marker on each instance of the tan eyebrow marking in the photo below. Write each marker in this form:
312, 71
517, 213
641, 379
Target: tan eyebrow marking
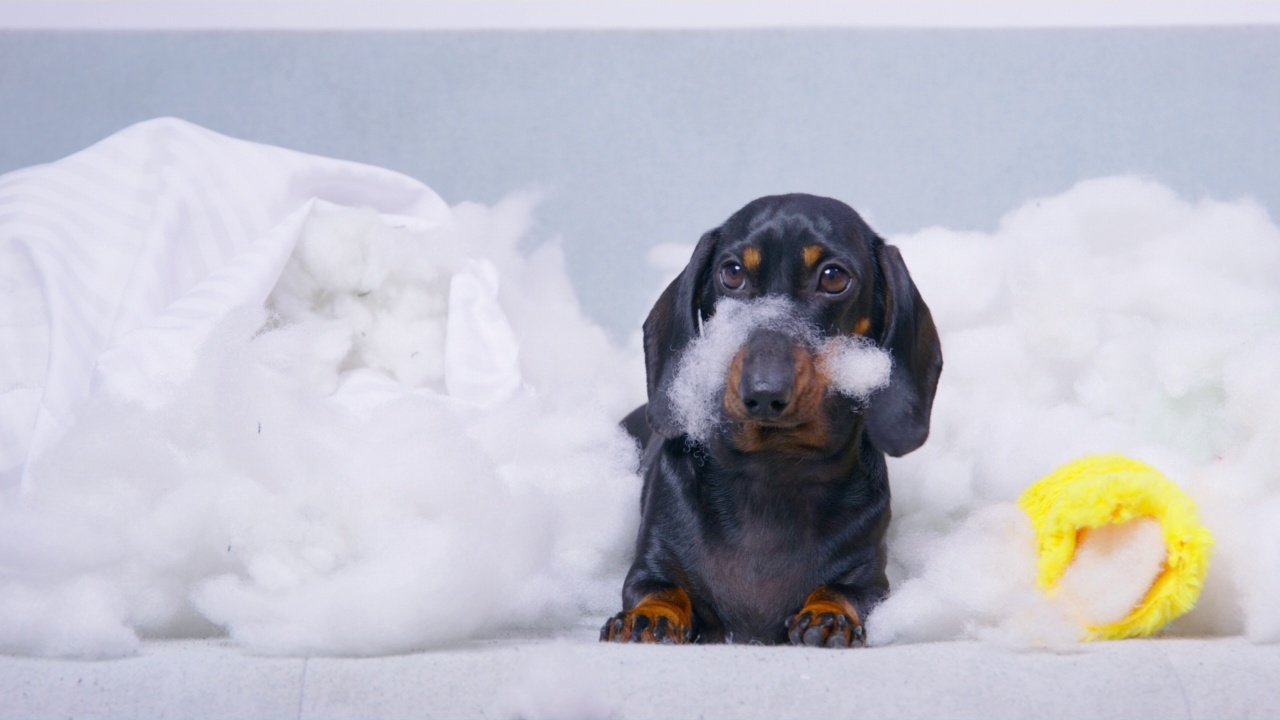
811, 255
751, 258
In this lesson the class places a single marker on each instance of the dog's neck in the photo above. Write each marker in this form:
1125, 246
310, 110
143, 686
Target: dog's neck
835, 451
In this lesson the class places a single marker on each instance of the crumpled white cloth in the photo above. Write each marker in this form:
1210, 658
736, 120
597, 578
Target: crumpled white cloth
117, 261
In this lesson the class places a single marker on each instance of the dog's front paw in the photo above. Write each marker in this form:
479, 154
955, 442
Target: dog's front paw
825, 629
661, 617
640, 626
826, 620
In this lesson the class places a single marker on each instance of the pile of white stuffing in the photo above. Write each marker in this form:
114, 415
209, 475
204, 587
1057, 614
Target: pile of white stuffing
414, 439
319, 484
1116, 317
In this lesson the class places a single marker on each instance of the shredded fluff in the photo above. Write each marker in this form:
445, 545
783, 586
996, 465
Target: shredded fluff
856, 366
1113, 569
317, 484
1115, 317
312, 489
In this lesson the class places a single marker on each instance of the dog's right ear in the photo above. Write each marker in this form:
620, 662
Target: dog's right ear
670, 327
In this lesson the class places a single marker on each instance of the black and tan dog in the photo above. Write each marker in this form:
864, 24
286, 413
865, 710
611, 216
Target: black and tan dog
772, 530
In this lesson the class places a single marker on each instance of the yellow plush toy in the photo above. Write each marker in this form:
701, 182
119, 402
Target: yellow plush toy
1093, 493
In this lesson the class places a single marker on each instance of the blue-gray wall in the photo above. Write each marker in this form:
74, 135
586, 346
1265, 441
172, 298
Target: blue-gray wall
648, 137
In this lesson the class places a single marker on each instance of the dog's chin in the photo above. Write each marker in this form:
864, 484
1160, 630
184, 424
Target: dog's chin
785, 435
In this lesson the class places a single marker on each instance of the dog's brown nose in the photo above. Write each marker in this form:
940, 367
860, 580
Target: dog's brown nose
768, 374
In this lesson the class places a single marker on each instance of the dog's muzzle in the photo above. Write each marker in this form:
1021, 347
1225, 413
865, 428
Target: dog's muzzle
767, 382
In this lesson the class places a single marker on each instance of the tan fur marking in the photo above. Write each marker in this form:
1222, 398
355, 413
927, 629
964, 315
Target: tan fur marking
811, 255
824, 599
862, 327
674, 605
751, 259
733, 406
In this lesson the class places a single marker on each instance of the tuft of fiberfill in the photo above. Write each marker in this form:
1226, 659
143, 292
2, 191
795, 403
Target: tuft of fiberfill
855, 366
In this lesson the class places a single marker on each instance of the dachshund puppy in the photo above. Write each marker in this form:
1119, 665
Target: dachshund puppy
768, 525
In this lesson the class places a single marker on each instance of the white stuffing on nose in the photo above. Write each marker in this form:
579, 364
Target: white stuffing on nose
855, 366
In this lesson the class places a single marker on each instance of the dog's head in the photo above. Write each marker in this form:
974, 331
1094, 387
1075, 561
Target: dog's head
842, 280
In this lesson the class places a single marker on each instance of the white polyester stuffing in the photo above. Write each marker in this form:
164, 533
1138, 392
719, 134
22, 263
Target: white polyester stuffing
311, 487
1115, 317
855, 366
1112, 317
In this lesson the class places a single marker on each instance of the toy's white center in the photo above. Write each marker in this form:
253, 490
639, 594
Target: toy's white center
1113, 569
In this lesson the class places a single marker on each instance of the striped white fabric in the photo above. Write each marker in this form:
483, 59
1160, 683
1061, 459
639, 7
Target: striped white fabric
116, 257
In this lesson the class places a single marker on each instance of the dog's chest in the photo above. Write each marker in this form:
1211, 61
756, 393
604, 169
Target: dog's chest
759, 575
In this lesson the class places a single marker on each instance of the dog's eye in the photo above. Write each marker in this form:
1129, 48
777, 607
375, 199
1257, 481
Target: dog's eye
732, 275
833, 280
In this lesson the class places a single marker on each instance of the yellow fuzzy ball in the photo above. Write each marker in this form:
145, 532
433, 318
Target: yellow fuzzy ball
1101, 490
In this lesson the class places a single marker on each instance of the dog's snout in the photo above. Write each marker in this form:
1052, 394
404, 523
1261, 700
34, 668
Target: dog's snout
766, 401
768, 375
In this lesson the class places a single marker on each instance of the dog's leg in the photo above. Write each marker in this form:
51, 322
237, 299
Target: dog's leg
662, 616
828, 619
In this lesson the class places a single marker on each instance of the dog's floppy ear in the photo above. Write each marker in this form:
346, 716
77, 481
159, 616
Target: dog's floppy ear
897, 417
670, 327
